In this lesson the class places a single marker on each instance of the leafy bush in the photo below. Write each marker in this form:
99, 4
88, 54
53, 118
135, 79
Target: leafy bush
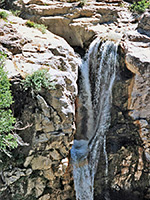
37, 80
3, 15
7, 120
5, 93
40, 27
7, 141
140, 6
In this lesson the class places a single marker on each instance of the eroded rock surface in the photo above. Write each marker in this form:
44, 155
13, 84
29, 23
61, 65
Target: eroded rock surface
41, 166
77, 24
45, 161
128, 144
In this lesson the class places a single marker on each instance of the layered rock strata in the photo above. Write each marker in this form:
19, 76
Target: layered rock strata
38, 170
128, 144
74, 23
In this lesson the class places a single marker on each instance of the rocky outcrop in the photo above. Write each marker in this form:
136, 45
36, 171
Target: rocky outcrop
137, 61
128, 144
74, 23
38, 171
144, 24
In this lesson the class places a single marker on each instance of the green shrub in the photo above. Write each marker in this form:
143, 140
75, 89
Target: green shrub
40, 27
3, 15
30, 23
5, 93
38, 80
140, 6
7, 140
7, 121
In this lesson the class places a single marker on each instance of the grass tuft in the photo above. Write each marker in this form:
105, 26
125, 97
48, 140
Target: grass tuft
40, 27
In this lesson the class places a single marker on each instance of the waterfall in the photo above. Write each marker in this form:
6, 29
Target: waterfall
97, 77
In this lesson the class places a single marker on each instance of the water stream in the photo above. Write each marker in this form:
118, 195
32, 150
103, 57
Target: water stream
97, 75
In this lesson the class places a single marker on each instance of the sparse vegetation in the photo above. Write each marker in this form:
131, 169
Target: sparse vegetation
82, 3
40, 27
3, 14
140, 6
16, 12
38, 80
7, 140
30, 24
122, 4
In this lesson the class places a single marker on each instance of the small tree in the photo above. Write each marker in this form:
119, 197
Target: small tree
7, 140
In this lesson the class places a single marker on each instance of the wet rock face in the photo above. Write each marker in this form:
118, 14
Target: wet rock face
39, 170
137, 61
128, 136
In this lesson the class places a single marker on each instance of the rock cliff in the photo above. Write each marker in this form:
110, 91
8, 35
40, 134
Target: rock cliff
75, 23
40, 170
128, 144
49, 114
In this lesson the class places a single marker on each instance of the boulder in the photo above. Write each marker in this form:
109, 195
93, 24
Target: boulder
144, 24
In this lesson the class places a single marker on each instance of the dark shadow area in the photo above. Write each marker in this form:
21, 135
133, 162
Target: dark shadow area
79, 50
123, 71
121, 195
6, 4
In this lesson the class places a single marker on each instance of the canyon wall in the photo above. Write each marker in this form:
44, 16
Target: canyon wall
40, 170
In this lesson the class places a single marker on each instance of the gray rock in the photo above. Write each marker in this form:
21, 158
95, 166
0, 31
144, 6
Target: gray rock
144, 24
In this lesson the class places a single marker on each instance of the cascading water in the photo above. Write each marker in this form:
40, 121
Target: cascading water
97, 77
